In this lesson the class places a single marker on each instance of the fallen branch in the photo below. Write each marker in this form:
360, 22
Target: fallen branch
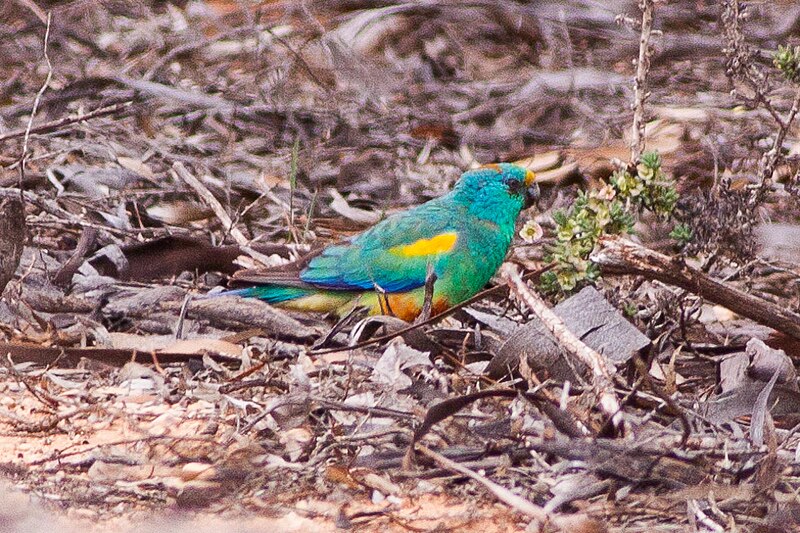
66, 121
601, 368
616, 255
70, 357
238, 312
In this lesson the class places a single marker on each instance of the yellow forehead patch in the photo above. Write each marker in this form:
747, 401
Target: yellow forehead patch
529, 178
437, 244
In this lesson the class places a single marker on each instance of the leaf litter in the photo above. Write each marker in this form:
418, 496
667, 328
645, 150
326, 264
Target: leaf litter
131, 401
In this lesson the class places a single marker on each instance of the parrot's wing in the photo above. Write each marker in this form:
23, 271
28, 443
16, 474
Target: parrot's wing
393, 256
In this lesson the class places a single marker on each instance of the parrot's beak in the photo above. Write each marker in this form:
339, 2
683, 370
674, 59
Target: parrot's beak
532, 191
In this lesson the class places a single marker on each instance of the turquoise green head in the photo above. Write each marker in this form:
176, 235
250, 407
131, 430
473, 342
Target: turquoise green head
497, 192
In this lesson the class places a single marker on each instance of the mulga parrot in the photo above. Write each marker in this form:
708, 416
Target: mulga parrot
461, 238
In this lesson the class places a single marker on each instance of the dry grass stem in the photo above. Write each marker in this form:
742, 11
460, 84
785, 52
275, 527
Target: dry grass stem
640, 93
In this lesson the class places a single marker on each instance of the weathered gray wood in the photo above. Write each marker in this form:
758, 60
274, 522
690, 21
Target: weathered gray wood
591, 318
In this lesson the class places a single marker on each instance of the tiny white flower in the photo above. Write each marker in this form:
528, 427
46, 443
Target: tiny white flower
606, 192
531, 231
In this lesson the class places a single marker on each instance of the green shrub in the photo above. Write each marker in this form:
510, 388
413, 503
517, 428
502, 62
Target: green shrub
609, 210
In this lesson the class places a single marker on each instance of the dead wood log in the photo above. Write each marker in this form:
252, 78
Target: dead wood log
616, 255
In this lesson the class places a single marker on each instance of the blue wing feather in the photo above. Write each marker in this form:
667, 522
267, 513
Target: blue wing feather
366, 261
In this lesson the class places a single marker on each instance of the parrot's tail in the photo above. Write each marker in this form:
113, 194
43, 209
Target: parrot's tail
299, 298
272, 294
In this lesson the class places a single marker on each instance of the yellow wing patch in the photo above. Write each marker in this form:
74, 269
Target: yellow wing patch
437, 244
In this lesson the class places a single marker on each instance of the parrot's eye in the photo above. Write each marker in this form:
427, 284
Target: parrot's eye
514, 186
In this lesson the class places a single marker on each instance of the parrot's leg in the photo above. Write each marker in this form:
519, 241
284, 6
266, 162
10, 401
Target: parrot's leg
427, 303
383, 300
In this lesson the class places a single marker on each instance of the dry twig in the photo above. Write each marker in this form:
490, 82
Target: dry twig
66, 121
202, 191
543, 517
36, 102
742, 67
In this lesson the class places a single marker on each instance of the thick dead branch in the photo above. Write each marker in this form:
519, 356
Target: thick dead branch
601, 368
620, 256
246, 312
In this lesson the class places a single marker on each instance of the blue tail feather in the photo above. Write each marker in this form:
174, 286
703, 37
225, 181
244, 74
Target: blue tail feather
269, 293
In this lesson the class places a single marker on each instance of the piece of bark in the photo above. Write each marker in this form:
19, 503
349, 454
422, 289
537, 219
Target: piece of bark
765, 361
591, 318
12, 237
169, 256
784, 402
733, 371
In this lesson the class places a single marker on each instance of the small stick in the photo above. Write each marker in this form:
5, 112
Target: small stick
35, 108
616, 255
503, 494
577, 522
202, 191
182, 316
601, 368
85, 243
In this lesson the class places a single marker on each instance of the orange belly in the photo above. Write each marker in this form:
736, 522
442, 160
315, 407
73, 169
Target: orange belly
408, 306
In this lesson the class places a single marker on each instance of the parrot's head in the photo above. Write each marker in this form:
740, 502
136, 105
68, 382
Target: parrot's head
497, 192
